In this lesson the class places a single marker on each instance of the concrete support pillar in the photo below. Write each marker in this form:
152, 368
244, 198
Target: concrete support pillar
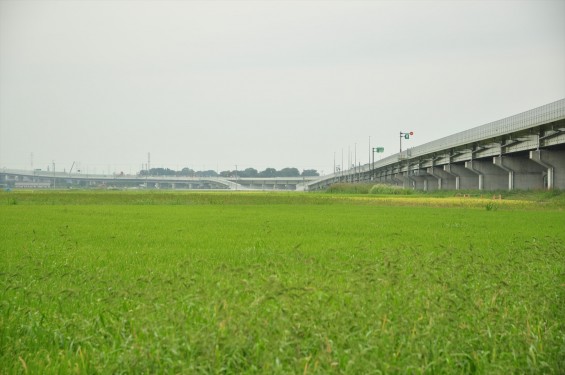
432, 183
418, 183
377, 178
390, 177
424, 182
397, 180
554, 163
522, 172
445, 181
407, 181
464, 178
491, 177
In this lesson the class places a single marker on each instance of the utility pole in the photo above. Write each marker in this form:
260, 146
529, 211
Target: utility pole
355, 170
355, 153
372, 162
370, 156
348, 175
341, 168
377, 150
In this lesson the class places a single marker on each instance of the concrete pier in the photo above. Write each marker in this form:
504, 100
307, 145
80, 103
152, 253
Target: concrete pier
553, 162
522, 172
445, 181
464, 178
490, 176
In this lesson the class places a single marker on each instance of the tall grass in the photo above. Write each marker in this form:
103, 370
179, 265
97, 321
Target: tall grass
390, 190
278, 283
349, 188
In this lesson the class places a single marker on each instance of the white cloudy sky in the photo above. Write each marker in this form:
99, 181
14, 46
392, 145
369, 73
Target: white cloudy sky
215, 84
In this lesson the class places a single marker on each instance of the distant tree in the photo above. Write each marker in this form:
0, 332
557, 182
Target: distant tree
269, 172
186, 172
310, 173
249, 172
162, 172
288, 172
230, 174
208, 173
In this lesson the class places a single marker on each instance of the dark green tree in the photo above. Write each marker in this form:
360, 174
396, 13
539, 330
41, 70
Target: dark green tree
249, 172
269, 172
208, 173
309, 173
186, 172
288, 172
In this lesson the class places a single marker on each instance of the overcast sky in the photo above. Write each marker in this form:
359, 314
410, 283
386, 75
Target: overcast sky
215, 84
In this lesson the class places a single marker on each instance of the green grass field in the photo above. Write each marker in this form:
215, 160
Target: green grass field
157, 282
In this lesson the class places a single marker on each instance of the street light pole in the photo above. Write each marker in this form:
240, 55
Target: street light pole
373, 162
401, 135
341, 168
369, 153
355, 164
404, 135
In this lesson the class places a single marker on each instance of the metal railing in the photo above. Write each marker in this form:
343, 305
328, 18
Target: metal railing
538, 116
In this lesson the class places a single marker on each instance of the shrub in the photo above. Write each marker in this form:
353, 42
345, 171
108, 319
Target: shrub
389, 189
350, 188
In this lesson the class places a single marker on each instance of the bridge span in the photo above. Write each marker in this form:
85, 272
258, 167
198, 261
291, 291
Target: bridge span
37, 179
524, 151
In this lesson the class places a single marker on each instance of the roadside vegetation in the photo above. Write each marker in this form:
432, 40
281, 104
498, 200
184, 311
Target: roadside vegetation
555, 198
217, 282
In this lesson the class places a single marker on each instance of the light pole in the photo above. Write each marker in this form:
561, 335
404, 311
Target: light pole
377, 150
355, 165
341, 168
405, 136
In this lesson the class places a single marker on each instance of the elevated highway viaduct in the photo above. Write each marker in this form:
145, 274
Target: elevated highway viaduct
524, 151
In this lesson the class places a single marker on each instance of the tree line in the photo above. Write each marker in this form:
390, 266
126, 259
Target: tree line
246, 173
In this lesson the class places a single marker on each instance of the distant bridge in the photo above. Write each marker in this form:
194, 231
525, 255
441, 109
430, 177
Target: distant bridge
38, 179
524, 151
